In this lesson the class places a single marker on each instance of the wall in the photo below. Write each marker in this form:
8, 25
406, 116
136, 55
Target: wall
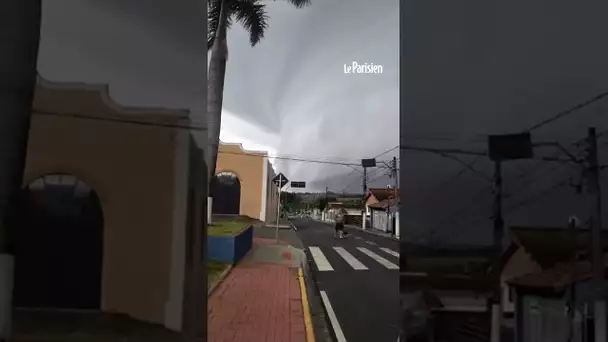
519, 264
272, 194
249, 168
132, 169
544, 319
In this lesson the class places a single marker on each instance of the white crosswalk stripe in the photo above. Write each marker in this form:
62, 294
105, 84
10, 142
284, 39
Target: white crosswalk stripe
350, 259
378, 258
390, 251
353, 258
320, 259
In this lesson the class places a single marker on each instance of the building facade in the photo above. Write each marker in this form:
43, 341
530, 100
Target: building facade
109, 188
243, 184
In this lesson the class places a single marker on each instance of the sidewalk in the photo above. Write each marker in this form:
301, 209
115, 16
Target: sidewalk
372, 231
260, 300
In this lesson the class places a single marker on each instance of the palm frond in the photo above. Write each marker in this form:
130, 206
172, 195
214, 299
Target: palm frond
253, 17
213, 17
299, 3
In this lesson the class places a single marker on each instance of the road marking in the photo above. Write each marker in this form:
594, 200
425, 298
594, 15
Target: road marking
350, 259
390, 251
332, 318
358, 237
310, 336
320, 259
378, 258
370, 243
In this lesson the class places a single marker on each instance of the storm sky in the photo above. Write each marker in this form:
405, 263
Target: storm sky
288, 95
488, 67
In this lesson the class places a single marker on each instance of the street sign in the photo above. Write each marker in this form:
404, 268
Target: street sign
368, 162
510, 146
300, 185
280, 180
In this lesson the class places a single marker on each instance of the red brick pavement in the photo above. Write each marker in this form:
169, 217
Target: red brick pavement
257, 303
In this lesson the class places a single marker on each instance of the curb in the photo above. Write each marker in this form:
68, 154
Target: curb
310, 336
293, 226
220, 279
324, 330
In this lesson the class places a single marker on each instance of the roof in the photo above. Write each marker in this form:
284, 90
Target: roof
558, 277
391, 202
550, 246
381, 193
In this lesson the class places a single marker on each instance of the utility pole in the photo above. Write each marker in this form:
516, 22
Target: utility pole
324, 213
364, 182
497, 311
595, 226
395, 192
276, 234
572, 222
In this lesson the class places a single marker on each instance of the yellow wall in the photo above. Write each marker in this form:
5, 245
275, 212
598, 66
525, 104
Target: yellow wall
248, 167
131, 167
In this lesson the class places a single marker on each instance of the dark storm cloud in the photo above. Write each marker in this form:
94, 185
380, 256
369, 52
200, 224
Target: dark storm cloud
476, 68
289, 93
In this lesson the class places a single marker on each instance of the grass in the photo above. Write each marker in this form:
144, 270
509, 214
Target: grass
214, 269
229, 226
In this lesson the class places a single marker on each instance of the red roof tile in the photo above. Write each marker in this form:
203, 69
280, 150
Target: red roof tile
381, 194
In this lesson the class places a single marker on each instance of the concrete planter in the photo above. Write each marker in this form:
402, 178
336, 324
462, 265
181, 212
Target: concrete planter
230, 249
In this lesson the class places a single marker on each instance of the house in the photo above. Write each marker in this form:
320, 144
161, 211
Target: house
385, 216
377, 195
461, 281
373, 197
554, 303
352, 210
556, 271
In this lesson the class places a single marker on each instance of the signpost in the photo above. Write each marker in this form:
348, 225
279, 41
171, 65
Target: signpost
280, 180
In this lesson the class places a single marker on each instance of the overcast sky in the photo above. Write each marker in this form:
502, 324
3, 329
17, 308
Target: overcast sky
288, 95
479, 67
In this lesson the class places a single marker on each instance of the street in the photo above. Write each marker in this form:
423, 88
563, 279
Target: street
358, 278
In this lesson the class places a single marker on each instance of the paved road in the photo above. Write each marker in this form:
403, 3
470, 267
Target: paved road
359, 281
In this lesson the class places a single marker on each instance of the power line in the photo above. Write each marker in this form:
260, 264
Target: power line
568, 111
448, 181
387, 151
189, 127
291, 158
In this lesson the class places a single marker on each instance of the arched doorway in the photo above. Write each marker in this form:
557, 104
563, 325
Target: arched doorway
226, 193
59, 245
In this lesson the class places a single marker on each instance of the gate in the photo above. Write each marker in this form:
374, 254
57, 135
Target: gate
226, 194
59, 245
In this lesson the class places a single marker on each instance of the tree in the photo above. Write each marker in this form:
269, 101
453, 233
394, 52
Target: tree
221, 14
19, 41
322, 204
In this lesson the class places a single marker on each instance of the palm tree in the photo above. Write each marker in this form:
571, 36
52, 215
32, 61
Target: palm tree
19, 41
221, 14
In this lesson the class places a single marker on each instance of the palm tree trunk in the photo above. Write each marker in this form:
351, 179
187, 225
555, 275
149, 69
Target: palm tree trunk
19, 41
215, 88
